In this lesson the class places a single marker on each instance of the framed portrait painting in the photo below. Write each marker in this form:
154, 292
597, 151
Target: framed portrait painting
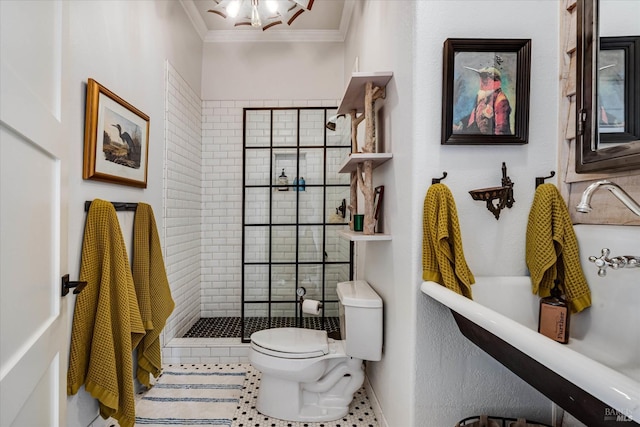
116, 139
486, 91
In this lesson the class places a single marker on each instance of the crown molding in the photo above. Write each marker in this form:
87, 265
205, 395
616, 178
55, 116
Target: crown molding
195, 18
275, 35
256, 36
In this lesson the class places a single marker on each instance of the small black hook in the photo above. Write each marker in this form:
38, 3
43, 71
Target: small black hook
540, 179
342, 209
437, 180
68, 284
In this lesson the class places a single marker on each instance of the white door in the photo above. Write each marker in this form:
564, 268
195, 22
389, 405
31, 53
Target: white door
33, 323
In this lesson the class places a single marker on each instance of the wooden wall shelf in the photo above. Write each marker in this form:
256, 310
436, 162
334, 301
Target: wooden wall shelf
359, 98
353, 98
354, 159
357, 236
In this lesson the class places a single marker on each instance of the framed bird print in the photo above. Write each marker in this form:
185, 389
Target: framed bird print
486, 91
116, 139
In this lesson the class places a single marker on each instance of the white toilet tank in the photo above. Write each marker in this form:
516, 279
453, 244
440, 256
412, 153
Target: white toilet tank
360, 320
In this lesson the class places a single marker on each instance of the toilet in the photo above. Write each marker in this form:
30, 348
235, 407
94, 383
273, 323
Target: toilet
307, 376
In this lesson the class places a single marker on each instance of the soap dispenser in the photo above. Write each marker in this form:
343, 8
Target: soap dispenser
553, 320
283, 182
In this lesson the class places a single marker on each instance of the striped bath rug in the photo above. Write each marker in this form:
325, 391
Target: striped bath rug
192, 395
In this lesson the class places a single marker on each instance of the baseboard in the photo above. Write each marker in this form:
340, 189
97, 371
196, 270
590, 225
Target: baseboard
375, 404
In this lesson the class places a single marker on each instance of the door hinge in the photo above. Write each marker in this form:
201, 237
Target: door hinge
67, 284
582, 121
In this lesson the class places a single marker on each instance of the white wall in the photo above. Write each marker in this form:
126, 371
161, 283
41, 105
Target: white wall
609, 22
124, 46
272, 71
430, 375
381, 37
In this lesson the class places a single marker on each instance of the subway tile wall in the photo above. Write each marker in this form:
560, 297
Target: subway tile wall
203, 203
182, 201
221, 208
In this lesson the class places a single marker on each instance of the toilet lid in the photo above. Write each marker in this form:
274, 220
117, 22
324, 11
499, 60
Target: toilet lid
294, 343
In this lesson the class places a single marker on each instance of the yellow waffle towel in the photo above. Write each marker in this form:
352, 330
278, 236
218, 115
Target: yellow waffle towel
442, 255
152, 288
552, 249
106, 322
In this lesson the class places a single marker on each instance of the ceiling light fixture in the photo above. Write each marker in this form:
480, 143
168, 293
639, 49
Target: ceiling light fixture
261, 14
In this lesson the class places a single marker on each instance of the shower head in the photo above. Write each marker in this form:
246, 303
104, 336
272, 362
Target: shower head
333, 120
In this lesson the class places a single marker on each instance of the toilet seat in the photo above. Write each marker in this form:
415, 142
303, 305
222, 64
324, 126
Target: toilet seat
291, 343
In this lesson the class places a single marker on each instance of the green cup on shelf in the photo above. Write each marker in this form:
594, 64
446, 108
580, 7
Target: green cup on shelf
358, 222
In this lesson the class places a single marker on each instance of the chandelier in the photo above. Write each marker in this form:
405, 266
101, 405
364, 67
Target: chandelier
261, 14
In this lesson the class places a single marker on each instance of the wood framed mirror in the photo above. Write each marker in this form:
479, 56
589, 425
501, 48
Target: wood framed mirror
608, 90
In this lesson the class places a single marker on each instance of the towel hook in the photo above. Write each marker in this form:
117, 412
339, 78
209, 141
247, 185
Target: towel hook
437, 180
342, 209
540, 179
68, 284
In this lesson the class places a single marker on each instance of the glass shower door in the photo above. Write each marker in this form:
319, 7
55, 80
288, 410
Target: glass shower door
291, 195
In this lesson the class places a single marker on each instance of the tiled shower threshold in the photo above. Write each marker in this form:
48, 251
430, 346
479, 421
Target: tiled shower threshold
205, 350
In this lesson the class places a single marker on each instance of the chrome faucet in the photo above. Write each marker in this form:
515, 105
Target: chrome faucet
585, 202
623, 261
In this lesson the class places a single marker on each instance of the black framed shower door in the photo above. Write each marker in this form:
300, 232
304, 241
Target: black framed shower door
290, 217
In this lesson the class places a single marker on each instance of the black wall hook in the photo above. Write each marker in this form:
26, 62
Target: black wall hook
68, 284
437, 180
342, 209
540, 179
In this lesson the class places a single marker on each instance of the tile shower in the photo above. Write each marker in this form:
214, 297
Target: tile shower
215, 206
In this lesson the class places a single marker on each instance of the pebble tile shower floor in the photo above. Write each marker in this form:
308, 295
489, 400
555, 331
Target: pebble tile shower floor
360, 411
229, 327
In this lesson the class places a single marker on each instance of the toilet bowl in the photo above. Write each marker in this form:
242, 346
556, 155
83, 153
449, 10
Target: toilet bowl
307, 376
